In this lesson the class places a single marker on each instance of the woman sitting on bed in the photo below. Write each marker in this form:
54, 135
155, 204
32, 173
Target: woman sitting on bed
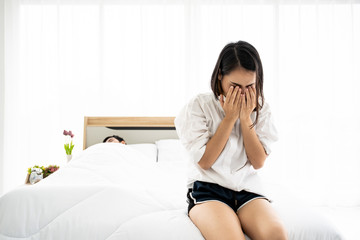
228, 133
114, 139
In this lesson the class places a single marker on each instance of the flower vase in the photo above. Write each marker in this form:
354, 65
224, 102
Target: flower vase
68, 157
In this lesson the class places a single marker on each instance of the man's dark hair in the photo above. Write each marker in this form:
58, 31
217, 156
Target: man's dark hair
120, 139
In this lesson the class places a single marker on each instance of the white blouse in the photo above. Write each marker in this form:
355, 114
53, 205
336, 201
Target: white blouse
198, 121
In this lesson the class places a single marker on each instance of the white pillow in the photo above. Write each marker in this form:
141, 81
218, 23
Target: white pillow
171, 150
148, 149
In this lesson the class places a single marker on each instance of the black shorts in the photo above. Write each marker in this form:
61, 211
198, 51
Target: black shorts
204, 192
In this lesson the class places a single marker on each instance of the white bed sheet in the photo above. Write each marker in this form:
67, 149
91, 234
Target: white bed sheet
114, 191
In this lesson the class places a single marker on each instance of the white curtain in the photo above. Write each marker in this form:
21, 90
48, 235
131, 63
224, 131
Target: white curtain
68, 59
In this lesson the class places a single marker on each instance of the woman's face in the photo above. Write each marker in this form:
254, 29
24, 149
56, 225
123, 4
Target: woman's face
238, 77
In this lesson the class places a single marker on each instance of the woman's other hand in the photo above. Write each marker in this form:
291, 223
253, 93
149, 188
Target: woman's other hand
247, 103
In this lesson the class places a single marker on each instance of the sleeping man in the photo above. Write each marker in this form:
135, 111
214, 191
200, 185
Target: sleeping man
114, 139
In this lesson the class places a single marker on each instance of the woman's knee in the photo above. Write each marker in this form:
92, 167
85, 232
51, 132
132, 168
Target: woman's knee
275, 231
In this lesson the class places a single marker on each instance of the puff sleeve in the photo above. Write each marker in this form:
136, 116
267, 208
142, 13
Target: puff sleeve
191, 127
265, 128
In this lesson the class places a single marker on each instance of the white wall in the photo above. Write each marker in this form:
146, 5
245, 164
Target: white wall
66, 61
2, 93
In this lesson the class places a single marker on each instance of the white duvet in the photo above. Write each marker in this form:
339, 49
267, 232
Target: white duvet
113, 191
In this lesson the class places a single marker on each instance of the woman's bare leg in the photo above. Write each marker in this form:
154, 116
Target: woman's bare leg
260, 221
216, 220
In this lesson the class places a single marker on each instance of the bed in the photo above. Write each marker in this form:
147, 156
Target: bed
134, 191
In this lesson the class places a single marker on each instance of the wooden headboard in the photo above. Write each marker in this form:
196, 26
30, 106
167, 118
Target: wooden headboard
132, 129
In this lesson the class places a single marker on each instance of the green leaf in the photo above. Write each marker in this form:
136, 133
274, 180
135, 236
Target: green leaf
67, 149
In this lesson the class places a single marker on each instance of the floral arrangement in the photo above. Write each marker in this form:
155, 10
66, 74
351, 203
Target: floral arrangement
36, 166
68, 142
44, 171
49, 170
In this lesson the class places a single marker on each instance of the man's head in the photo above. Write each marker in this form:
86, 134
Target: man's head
114, 139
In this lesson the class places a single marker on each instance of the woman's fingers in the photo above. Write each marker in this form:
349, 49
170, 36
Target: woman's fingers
234, 94
238, 98
253, 97
229, 94
253, 93
231, 104
250, 95
243, 102
248, 99
248, 102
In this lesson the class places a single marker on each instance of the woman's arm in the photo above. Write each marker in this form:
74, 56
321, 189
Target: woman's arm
217, 143
253, 147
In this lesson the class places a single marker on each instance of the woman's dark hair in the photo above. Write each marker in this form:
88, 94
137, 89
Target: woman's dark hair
114, 136
239, 55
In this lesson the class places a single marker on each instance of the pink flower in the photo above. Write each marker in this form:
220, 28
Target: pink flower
71, 134
68, 133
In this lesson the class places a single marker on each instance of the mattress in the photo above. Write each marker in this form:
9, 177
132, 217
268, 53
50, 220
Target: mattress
116, 191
